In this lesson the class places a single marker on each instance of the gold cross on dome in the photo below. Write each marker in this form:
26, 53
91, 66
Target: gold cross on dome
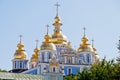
47, 28
84, 30
92, 42
57, 5
20, 38
36, 43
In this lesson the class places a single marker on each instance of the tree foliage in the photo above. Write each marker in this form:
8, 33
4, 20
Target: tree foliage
2, 70
104, 70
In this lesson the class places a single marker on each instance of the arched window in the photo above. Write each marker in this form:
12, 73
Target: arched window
42, 57
80, 61
15, 64
69, 71
20, 64
68, 60
53, 69
88, 58
49, 56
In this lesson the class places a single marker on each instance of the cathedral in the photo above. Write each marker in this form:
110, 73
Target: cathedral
56, 55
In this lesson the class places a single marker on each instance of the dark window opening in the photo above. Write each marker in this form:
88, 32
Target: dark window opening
69, 71
53, 69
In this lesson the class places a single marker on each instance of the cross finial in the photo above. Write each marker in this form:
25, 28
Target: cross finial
57, 5
84, 30
20, 38
47, 28
36, 43
92, 42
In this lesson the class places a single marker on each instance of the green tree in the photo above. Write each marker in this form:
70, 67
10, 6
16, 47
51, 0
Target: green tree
3, 70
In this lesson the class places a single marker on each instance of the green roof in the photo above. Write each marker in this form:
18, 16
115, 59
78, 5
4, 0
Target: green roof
19, 76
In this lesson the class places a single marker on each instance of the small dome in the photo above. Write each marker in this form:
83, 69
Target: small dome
57, 21
97, 58
84, 39
20, 53
34, 58
47, 44
85, 46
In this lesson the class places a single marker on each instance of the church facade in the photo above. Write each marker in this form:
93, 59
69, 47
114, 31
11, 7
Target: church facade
55, 57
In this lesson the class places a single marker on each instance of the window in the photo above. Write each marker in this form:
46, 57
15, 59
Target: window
42, 57
49, 56
80, 61
20, 64
88, 58
15, 64
69, 71
68, 60
54, 69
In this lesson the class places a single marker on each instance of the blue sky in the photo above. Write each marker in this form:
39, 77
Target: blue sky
29, 17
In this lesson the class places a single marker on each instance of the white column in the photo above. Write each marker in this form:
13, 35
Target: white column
73, 60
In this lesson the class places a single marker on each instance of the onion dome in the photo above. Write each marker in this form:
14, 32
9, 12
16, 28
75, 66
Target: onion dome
95, 51
34, 57
57, 21
58, 37
20, 52
47, 44
85, 46
96, 55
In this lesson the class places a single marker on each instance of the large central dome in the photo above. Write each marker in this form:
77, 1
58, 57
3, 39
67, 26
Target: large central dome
58, 37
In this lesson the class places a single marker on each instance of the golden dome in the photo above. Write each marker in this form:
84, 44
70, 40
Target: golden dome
34, 58
57, 21
59, 38
95, 52
47, 44
36, 50
97, 58
96, 55
85, 46
20, 53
